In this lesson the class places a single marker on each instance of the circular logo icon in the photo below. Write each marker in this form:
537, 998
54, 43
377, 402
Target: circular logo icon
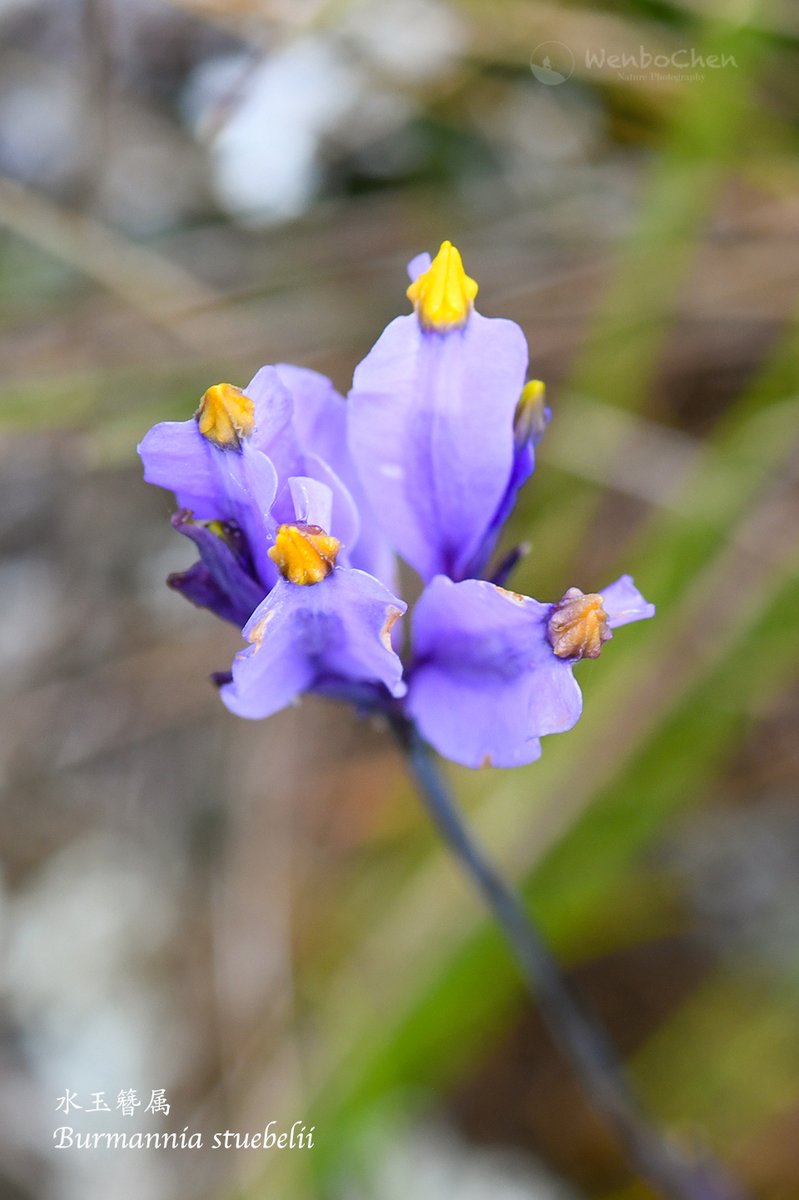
552, 63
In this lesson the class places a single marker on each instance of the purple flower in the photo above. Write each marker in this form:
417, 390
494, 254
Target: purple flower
529, 425
493, 671
323, 627
278, 486
431, 421
223, 580
217, 468
325, 637
320, 422
232, 463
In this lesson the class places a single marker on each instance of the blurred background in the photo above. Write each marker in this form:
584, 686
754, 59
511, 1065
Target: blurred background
258, 918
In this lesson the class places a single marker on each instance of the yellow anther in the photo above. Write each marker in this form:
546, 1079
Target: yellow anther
304, 554
579, 625
225, 416
443, 294
530, 419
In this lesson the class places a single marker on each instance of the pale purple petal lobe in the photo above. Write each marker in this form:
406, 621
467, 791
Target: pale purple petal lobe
431, 435
274, 432
303, 636
623, 603
177, 457
486, 684
418, 265
320, 420
313, 502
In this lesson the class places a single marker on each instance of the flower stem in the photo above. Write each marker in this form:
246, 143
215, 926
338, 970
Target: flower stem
674, 1174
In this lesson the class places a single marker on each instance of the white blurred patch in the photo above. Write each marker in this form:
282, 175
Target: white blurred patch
413, 40
40, 107
434, 1163
264, 155
270, 125
79, 937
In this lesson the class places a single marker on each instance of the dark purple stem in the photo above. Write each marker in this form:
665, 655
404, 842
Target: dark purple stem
675, 1174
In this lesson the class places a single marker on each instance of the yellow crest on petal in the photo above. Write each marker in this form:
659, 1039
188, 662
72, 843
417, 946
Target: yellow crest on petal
304, 554
225, 416
443, 295
579, 625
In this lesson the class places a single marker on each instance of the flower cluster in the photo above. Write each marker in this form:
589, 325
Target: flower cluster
298, 502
